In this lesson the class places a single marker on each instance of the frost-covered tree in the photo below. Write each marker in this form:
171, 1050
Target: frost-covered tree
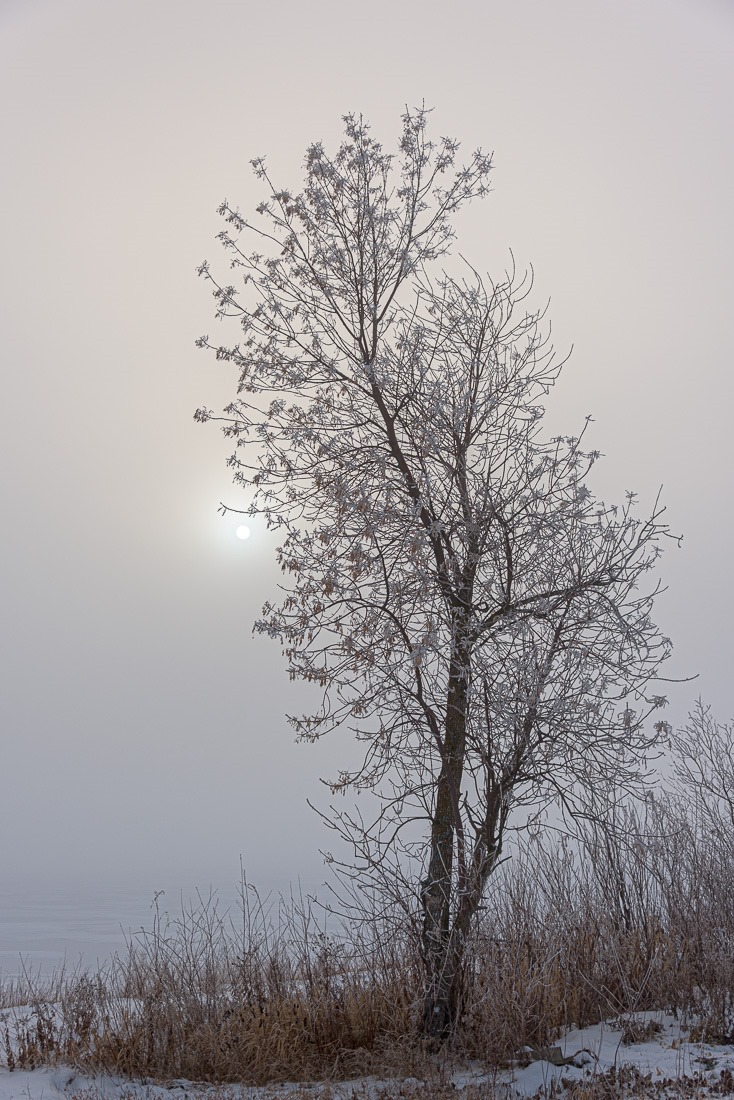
470, 611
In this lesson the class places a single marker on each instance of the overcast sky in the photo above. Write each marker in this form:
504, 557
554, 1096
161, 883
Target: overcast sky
142, 725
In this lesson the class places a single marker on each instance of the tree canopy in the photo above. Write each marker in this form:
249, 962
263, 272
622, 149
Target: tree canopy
470, 610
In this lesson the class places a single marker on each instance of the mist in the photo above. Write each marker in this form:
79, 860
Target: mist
144, 731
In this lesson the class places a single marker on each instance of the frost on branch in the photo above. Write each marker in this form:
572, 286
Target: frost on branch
463, 602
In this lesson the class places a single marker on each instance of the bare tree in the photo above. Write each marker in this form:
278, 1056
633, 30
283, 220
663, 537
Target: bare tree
703, 757
469, 609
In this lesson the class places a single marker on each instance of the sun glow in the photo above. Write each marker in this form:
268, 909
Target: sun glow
243, 532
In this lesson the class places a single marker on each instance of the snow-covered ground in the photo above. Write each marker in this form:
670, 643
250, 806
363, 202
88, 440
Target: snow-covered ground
667, 1056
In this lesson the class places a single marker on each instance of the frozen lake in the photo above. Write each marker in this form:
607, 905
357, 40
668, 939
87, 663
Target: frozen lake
43, 925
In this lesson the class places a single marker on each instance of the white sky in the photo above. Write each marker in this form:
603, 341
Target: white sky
142, 726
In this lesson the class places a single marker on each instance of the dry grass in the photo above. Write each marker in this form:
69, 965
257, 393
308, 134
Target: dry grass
632, 918
269, 997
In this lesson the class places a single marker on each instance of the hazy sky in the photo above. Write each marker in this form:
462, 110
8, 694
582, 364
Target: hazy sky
142, 725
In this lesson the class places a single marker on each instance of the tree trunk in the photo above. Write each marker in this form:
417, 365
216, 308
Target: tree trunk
442, 954
442, 998
445, 988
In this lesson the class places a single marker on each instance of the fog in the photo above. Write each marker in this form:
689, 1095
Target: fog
143, 730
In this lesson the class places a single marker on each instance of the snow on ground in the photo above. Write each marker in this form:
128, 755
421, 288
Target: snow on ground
667, 1055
